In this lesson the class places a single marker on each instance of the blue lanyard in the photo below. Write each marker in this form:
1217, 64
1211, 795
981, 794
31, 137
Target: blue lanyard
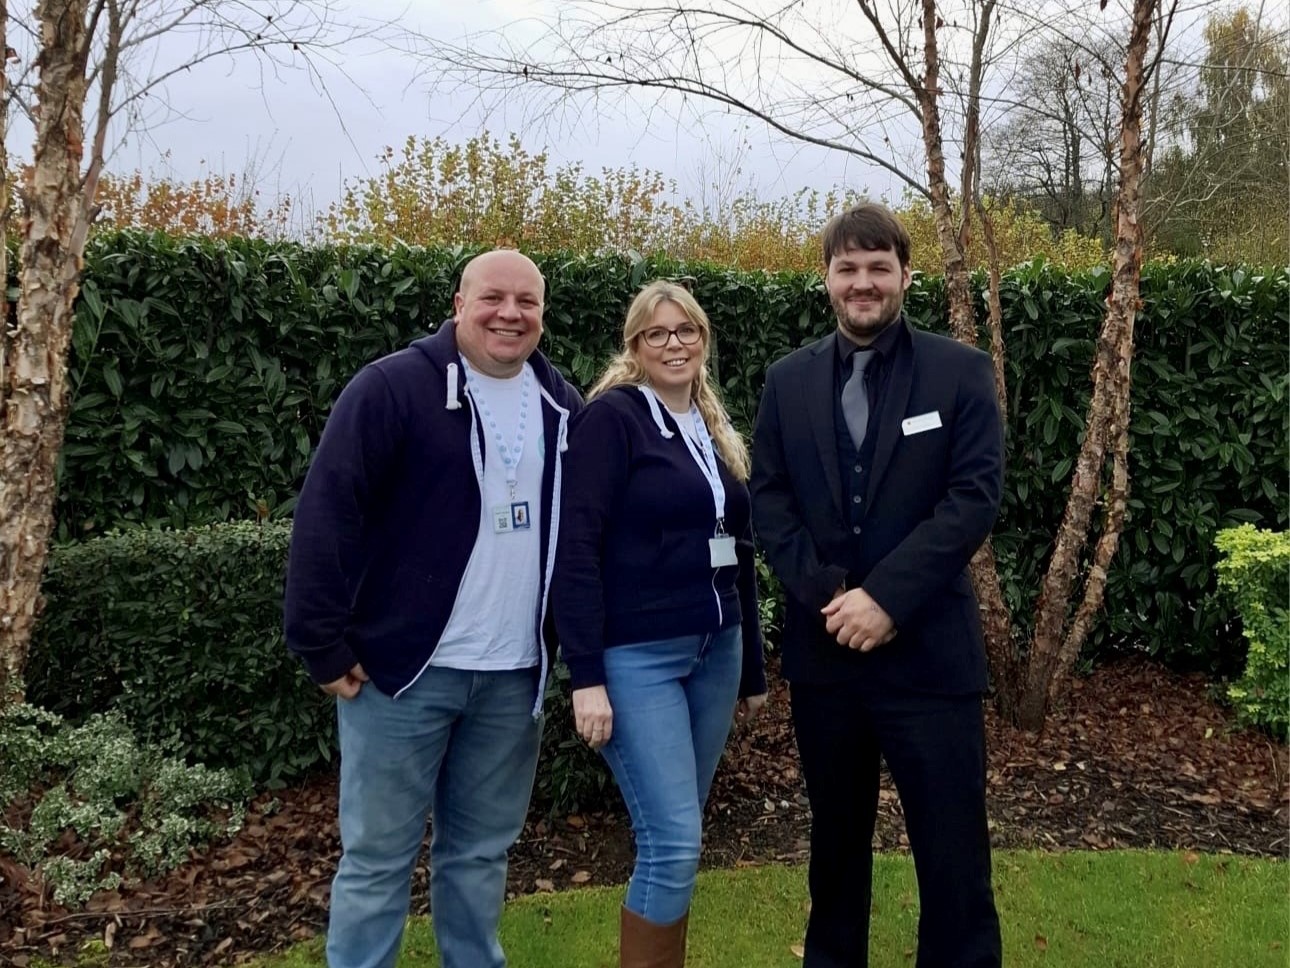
510, 454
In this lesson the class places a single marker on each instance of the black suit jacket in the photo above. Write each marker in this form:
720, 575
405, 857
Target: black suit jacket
932, 497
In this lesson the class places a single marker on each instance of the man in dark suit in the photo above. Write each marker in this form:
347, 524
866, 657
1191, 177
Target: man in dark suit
877, 472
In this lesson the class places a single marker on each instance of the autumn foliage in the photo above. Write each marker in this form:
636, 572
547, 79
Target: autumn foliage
217, 206
484, 192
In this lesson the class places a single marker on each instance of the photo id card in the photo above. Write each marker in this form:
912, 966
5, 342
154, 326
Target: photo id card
722, 551
511, 517
519, 515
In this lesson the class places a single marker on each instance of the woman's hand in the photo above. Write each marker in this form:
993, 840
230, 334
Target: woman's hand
593, 717
746, 709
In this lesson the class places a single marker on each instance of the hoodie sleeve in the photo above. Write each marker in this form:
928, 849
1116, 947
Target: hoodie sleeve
596, 468
358, 446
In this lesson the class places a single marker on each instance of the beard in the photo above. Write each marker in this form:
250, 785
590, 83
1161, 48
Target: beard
863, 325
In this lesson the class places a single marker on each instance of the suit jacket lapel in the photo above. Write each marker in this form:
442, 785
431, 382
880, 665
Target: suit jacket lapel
817, 388
900, 381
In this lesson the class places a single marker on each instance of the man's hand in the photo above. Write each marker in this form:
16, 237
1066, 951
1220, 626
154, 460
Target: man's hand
857, 621
746, 709
593, 717
347, 686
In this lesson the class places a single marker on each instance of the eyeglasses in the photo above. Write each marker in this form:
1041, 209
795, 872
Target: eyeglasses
687, 334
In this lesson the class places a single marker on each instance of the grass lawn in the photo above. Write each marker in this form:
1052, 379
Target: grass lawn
1115, 909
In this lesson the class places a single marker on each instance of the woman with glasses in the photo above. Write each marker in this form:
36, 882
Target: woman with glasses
655, 599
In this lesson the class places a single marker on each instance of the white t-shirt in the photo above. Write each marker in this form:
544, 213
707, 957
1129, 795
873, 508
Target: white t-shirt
493, 622
686, 422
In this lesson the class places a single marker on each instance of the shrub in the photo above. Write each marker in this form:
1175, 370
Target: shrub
203, 371
118, 799
1256, 575
181, 633
571, 776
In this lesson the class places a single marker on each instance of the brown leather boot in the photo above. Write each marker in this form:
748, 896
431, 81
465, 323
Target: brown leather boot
644, 944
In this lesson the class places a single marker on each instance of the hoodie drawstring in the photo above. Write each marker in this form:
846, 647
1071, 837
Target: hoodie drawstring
655, 412
453, 402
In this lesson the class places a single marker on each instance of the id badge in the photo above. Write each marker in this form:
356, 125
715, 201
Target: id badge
502, 519
722, 551
519, 515
511, 517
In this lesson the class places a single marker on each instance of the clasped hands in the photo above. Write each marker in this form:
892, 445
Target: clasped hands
593, 716
857, 621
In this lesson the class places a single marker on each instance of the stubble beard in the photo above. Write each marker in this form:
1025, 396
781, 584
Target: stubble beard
866, 331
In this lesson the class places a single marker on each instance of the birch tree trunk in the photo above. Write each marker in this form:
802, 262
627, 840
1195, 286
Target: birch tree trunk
33, 391
1053, 650
8, 667
962, 317
996, 621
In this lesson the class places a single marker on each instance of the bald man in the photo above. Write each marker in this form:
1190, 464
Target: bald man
416, 594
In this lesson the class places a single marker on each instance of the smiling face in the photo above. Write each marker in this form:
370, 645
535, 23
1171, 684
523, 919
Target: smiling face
673, 367
498, 310
867, 289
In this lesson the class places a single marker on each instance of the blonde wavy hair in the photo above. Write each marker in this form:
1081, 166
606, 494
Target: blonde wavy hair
625, 369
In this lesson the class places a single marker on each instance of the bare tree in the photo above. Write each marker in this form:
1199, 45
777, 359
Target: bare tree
916, 74
1056, 148
109, 55
1058, 639
1224, 142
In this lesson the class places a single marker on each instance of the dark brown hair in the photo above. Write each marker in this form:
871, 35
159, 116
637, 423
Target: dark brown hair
865, 226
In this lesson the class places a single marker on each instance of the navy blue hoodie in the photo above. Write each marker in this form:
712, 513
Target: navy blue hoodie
390, 511
633, 564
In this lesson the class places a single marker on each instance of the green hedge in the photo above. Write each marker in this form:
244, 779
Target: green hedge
203, 372
1255, 574
181, 632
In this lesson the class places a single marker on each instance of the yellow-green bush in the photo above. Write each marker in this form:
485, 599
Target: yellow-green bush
485, 193
1256, 575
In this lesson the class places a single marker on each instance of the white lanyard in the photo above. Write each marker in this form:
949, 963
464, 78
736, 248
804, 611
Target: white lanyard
706, 458
509, 454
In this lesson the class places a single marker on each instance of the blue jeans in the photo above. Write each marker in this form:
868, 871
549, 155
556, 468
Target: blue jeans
673, 703
460, 746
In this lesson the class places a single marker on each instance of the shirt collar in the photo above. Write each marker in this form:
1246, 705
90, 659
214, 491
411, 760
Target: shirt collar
884, 343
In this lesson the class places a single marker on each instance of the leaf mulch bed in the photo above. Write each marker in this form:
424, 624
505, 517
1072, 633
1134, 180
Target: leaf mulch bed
1139, 758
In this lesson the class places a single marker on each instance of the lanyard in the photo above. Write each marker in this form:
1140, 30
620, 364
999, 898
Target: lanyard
700, 448
510, 454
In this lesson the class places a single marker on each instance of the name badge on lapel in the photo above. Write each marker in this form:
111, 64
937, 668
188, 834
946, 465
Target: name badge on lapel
722, 551
924, 421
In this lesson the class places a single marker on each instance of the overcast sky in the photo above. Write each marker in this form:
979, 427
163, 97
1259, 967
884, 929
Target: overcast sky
306, 134
233, 119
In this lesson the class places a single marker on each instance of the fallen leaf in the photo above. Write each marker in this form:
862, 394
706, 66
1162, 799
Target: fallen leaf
1191, 857
544, 885
581, 877
1041, 943
798, 950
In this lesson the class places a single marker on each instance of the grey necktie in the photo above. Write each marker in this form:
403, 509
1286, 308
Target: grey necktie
855, 396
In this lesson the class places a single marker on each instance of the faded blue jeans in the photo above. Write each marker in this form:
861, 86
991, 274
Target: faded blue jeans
460, 746
673, 703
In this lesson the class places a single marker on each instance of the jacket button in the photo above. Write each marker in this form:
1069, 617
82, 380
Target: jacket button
856, 529
856, 499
